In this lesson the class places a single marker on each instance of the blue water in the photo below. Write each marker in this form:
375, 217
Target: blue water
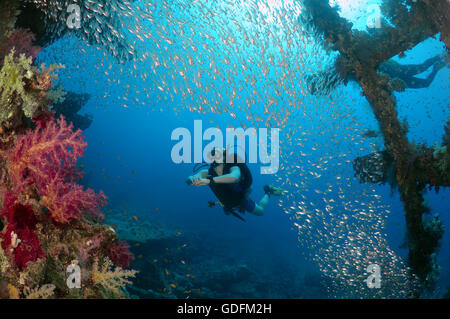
129, 150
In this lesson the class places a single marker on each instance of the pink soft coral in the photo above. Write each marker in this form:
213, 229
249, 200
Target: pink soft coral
120, 254
21, 221
44, 159
88, 249
39, 155
22, 40
67, 201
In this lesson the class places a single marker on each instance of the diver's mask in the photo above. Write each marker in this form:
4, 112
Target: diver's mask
217, 156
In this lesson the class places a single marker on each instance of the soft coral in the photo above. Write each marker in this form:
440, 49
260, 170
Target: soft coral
120, 254
66, 201
22, 40
44, 159
39, 155
21, 221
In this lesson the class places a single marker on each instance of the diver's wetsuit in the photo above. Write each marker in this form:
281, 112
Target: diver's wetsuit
233, 196
324, 82
407, 72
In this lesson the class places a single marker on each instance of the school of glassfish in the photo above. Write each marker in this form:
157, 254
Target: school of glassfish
248, 64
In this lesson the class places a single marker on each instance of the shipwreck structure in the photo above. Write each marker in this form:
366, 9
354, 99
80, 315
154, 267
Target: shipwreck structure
412, 168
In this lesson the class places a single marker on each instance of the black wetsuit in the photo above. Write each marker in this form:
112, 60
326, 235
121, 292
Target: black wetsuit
325, 82
235, 195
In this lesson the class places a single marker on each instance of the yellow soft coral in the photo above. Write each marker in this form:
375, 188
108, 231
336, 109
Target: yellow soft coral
13, 97
13, 292
4, 264
43, 292
57, 94
111, 280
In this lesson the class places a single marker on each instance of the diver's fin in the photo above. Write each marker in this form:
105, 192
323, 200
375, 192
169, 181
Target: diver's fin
211, 204
238, 216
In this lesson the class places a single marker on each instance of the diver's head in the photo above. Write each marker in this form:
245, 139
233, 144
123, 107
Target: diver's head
217, 156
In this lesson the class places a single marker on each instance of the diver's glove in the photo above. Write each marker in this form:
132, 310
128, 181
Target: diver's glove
272, 190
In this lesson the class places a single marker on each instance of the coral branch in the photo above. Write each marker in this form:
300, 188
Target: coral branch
67, 201
40, 155
22, 41
111, 280
45, 159
120, 254
19, 238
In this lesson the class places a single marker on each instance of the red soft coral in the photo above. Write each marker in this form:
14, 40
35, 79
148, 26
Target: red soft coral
39, 155
67, 201
22, 40
21, 221
45, 159
120, 254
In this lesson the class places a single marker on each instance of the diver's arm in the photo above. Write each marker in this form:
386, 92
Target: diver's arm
231, 178
202, 174
196, 178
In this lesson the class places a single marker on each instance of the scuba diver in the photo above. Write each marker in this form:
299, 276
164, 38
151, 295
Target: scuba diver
230, 179
402, 76
406, 72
